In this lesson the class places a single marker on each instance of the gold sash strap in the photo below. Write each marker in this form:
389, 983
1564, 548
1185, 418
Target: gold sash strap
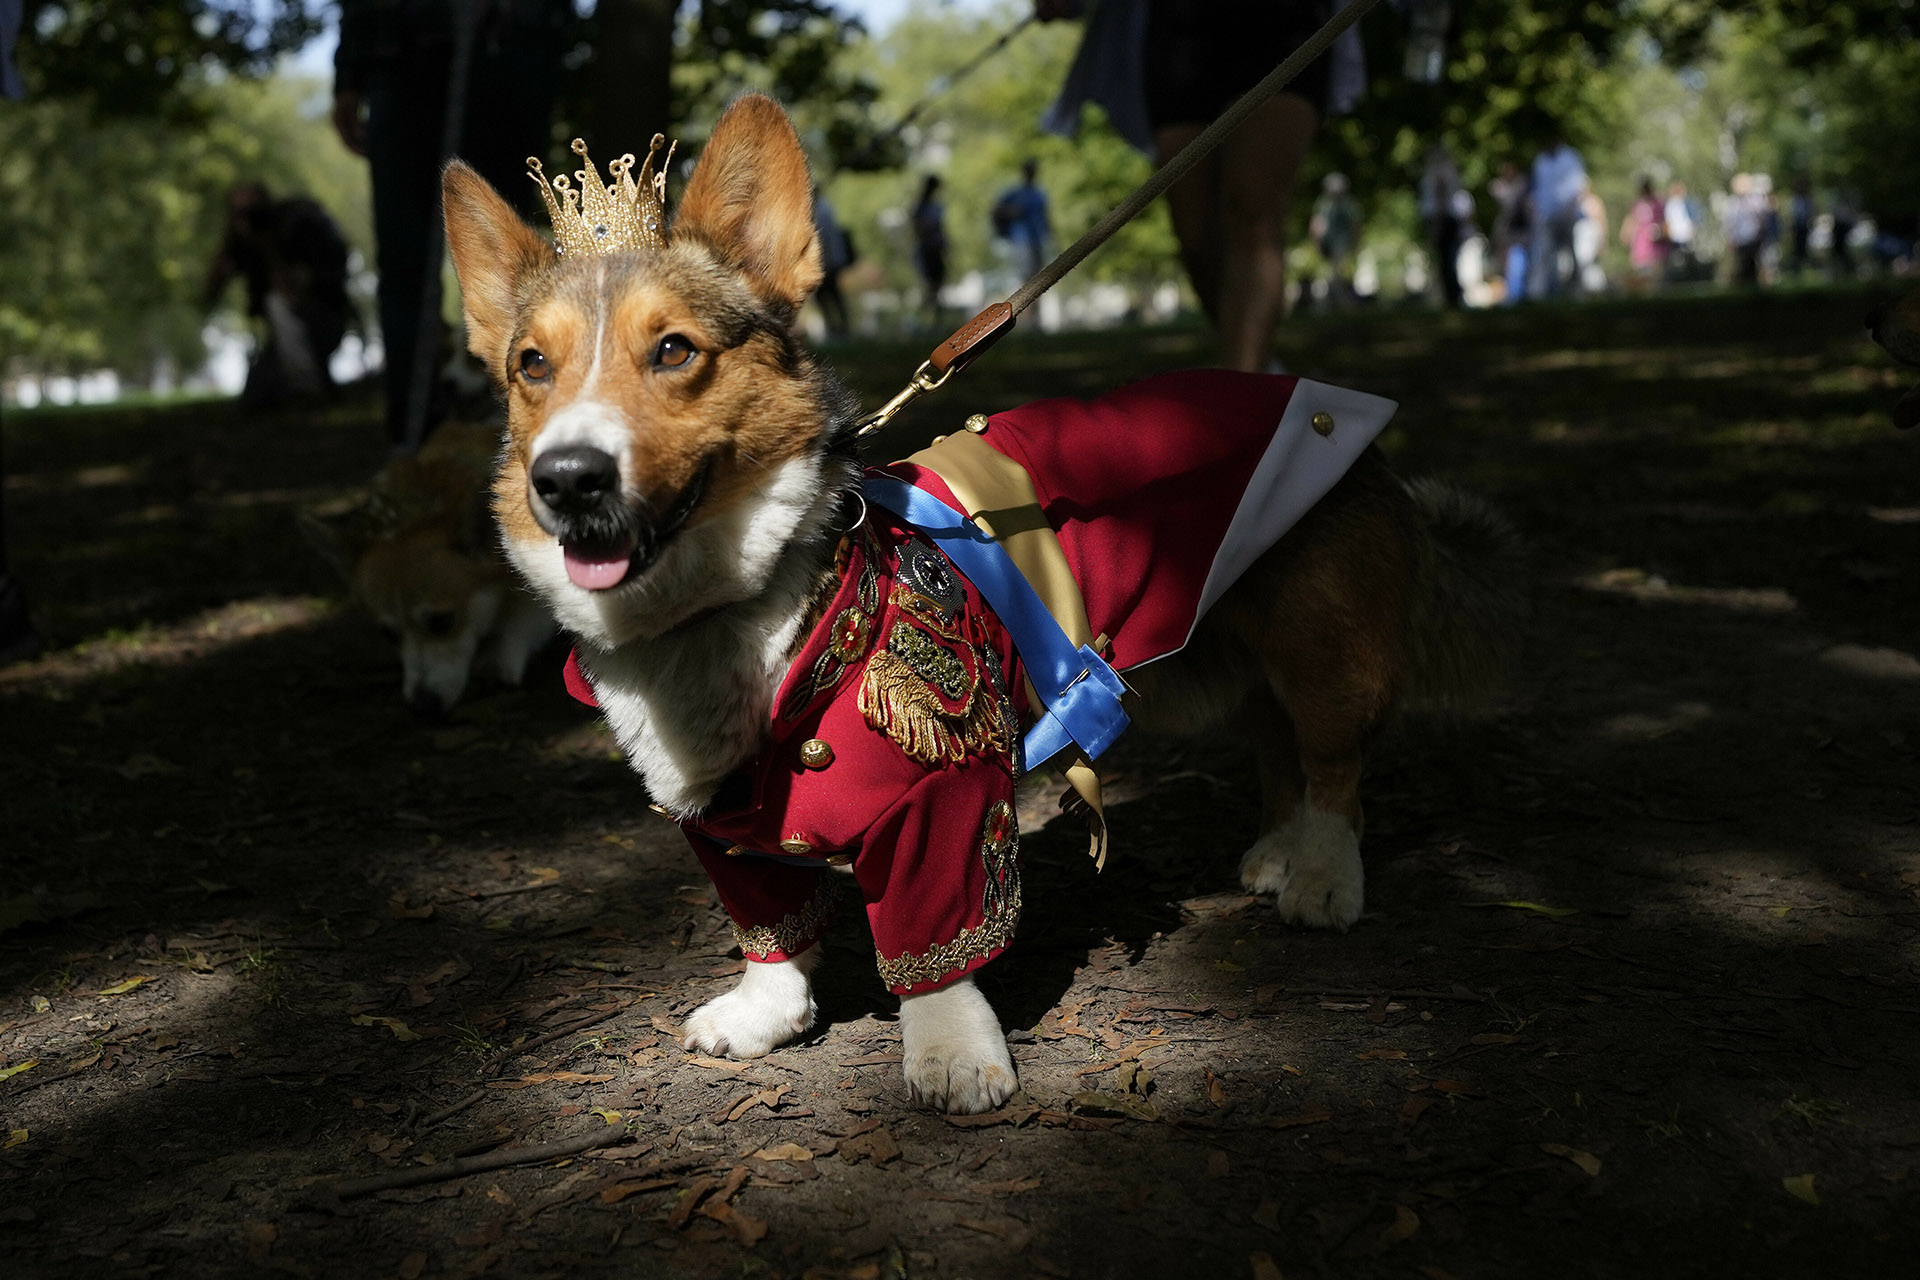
997, 492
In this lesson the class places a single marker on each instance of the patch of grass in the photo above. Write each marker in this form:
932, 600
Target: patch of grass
268, 974
1813, 1112
1664, 1130
471, 1040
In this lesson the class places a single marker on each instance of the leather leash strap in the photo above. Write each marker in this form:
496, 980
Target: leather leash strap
972, 339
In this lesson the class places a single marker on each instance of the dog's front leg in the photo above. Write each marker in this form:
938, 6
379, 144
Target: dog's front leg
956, 1055
772, 1004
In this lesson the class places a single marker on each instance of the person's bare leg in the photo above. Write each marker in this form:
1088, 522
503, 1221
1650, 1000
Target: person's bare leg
1194, 204
1259, 163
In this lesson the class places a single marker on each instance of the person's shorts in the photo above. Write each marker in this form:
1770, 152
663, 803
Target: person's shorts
1203, 54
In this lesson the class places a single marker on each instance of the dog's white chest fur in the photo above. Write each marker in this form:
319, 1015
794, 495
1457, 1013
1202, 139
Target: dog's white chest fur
692, 706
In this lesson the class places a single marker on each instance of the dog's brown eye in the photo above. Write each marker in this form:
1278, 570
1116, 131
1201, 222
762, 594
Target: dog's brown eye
533, 365
674, 351
439, 624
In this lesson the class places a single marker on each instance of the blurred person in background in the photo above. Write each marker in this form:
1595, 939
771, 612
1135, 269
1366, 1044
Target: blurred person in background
1589, 234
1438, 201
19, 641
836, 255
1680, 223
293, 261
1166, 69
1334, 230
392, 75
1020, 218
1743, 222
1509, 239
930, 244
1644, 232
1559, 177
1800, 215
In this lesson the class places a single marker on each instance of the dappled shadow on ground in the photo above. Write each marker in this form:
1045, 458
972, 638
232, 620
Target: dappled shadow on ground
1636, 986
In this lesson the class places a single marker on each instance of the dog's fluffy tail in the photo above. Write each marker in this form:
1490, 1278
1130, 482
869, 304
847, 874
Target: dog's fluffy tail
1471, 600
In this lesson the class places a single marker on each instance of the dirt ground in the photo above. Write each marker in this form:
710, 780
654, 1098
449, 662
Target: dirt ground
1635, 993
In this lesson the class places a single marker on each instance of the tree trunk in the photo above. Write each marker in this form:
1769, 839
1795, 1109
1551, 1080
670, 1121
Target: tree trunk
629, 80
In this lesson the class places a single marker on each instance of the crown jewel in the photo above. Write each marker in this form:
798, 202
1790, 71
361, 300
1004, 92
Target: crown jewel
596, 218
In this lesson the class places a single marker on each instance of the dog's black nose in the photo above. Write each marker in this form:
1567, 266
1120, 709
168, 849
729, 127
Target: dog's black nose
427, 705
575, 480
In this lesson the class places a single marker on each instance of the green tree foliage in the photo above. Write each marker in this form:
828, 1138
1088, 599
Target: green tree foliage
112, 221
139, 57
975, 136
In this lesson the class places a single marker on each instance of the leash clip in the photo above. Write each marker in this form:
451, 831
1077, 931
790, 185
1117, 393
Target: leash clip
923, 381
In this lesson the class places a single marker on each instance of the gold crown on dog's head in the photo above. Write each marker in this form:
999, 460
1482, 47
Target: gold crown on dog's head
597, 218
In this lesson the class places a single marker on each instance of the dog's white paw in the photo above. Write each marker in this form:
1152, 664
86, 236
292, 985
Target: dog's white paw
1312, 866
772, 1005
956, 1055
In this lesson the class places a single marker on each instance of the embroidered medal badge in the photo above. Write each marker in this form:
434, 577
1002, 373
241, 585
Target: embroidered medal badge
929, 687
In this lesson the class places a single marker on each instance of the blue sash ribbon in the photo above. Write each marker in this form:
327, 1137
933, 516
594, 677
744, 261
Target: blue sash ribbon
1080, 691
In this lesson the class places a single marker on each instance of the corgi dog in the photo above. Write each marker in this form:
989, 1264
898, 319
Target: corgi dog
420, 555
805, 684
1896, 327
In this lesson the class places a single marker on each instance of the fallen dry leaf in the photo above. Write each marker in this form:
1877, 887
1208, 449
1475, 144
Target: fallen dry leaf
1016, 1234
1305, 1115
259, 1237
1405, 1223
121, 988
1216, 1091
1495, 1037
717, 1064
1800, 1187
621, 1190
401, 1031
413, 1265
1090, 1102
747, 1229
1383, 1055
1009, 1187
1263, 1266
14, 1070
14, 1138
1588, 1163
1538, 908
1414, 1108
785, 1151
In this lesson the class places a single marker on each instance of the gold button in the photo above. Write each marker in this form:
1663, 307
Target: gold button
735, 851
816, 753
797, 844
839, 859
1323, 423
939, 439
977, 424
661, 810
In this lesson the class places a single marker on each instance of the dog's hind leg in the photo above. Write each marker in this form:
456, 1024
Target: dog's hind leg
772, 1004
956, 1056
1308, 855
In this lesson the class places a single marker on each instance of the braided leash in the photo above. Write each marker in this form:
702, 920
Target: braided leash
971, 340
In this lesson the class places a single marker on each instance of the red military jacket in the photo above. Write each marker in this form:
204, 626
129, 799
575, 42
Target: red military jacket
893, 744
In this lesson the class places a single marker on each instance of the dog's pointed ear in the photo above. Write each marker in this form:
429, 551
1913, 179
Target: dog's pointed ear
338, 533
751, 201
494, 253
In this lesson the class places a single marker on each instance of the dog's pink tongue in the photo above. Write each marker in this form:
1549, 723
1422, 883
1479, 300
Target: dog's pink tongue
596, 573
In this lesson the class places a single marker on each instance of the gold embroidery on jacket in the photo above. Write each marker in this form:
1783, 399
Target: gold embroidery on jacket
1000, 850
795, 930
852, 630
931, 689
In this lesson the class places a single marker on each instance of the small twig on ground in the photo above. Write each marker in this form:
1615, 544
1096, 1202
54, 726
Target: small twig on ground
446, 1170
447, 1113
507, 1054
1323, 993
